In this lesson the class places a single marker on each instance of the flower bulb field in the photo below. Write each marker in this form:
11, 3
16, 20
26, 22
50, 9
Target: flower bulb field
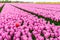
29, 21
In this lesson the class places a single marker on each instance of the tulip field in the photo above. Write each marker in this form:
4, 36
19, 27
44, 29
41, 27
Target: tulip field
29, 21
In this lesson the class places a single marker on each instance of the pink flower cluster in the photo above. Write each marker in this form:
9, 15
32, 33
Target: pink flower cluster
1, 4
29, 27
47, 10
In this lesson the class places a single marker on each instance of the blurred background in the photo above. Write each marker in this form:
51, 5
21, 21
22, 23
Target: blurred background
30, 1
34, 0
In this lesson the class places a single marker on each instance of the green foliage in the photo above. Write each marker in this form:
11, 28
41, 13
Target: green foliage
1, 8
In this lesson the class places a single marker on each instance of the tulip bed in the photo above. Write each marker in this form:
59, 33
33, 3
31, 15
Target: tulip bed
47, 10
20, 21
